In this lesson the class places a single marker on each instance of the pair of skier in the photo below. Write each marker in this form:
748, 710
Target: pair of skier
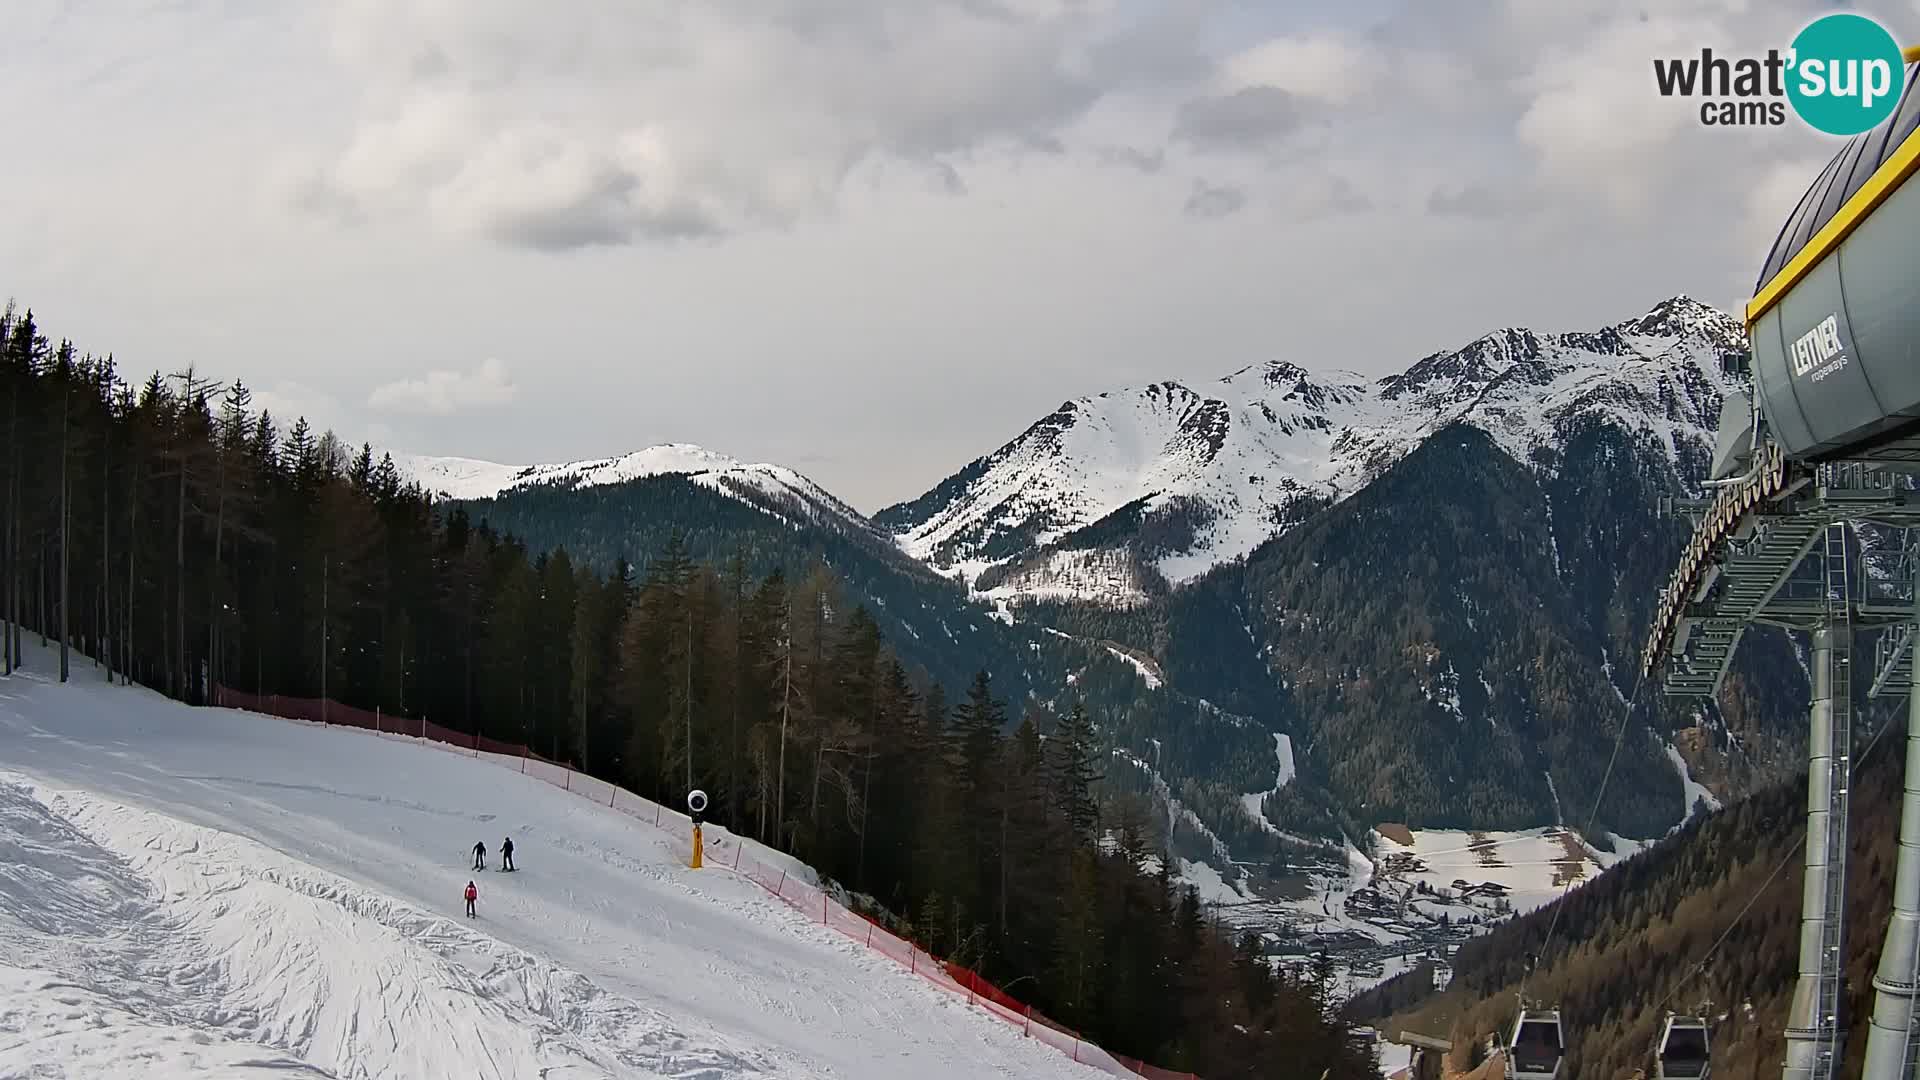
506, 854
480, 863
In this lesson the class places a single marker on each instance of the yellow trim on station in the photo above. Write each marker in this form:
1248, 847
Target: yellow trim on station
1885, 180
1911, 54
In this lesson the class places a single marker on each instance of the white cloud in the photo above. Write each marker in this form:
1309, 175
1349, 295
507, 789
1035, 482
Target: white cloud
863, 213
289, 400
664, 119
1774, 193
1324, 66
443, 393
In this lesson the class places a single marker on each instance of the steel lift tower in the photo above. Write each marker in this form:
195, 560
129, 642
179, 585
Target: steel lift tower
1827, 442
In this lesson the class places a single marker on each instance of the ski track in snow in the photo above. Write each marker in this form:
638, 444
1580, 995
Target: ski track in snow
1283, 750
208, 892
1694, 791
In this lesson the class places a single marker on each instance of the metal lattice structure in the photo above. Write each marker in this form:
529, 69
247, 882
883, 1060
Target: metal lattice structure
1777, 551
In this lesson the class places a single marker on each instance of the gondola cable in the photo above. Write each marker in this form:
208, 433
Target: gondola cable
1789, 857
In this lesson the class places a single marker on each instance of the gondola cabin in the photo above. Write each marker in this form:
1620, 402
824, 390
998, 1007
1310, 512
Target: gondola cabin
1536, 1047
1683, 1049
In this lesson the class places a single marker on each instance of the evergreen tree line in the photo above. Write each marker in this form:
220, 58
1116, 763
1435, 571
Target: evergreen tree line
184, 540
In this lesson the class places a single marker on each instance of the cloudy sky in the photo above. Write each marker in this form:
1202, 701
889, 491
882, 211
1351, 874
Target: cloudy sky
871, 239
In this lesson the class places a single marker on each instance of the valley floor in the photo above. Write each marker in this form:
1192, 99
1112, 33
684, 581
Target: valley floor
212, 893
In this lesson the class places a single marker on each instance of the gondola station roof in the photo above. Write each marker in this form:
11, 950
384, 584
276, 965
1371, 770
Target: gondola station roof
1831, 197
1834, 321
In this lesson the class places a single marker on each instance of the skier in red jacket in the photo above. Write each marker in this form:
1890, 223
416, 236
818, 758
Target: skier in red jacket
472, 895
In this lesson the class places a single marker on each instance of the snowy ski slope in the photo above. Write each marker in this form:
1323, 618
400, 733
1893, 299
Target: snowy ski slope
201, 892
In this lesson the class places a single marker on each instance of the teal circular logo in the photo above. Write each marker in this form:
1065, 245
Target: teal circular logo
1845, 74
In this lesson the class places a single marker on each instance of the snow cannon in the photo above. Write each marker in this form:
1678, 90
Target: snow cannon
696, 805
1834, 322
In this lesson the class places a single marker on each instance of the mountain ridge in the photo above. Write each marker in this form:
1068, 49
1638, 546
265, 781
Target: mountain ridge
1192, 563
1208, 477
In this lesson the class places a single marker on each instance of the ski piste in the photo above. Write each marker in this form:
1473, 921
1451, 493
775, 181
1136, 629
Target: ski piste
613, 960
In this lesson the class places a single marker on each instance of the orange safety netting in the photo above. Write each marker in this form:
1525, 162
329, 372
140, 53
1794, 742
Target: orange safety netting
725, 852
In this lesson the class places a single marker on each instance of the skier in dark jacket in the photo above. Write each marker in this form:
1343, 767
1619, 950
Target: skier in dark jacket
480, 855
506, 853
472, 895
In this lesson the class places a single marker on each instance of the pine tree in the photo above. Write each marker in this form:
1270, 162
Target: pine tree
1075, 774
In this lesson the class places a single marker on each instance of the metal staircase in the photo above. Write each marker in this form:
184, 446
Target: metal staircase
1754, 568
1840, 679
1893, 661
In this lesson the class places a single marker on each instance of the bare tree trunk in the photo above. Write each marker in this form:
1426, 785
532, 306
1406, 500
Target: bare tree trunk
66, 534
325, 566
133, 519
10, 587
213, 581
813, 798
1005, 797
780, 777
105, 617
180, 583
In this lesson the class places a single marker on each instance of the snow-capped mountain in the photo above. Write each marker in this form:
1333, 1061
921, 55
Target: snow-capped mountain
1116, 495
775, 489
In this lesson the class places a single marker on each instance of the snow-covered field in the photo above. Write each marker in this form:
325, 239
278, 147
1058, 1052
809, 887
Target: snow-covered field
213, 893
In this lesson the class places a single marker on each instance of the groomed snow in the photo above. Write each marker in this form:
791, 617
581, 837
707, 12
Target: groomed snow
207, 892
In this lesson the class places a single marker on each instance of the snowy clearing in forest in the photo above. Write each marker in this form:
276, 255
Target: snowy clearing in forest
209, 892
1532, 866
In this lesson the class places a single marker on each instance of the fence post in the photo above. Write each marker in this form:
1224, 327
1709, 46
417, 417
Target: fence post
377, 729
823, 909
869, 935
737, 847
569, 784
972, 978
523, 761
1076, 1049
783, 884
1029, 1021
657, 808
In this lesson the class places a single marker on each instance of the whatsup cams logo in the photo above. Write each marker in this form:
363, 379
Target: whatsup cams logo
1842, 75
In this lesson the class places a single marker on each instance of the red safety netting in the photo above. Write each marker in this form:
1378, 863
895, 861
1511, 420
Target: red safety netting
724, 851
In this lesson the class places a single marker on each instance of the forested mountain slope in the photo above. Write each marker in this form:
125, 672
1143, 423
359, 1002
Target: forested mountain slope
1442, 626
1442, 643
1648, 935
